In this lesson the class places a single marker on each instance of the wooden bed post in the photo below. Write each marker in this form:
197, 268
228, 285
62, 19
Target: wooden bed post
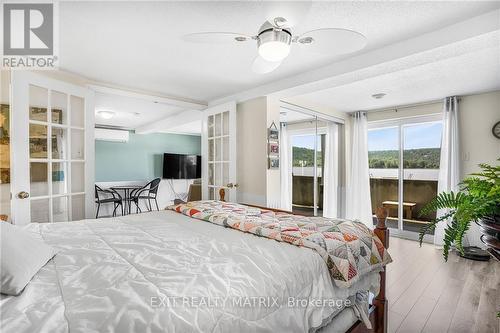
222, 194
380, 301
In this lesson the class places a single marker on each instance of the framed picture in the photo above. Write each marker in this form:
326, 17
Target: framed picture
273, 135
274, 163
274, 148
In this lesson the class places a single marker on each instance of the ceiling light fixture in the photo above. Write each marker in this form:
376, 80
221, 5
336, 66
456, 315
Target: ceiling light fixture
378, 96
274, 44
106, 114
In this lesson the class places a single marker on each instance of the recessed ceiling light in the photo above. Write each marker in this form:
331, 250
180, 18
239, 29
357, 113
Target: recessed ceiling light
378, 96
106, 114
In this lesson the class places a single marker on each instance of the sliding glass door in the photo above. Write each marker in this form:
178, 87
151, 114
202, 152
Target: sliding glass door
404, 166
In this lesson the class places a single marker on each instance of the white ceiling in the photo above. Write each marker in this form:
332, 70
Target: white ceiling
190, 128
130, 112
472, 72
138, 44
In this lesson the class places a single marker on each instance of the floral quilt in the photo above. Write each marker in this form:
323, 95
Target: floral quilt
349, 248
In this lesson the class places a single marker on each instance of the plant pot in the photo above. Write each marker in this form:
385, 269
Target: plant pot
490, 229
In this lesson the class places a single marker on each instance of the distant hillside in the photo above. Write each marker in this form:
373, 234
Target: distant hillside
424, 158
305, 154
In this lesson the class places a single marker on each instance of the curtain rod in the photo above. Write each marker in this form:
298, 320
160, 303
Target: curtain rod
408, 106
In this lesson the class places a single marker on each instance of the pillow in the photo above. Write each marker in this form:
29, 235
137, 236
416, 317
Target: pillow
21, 257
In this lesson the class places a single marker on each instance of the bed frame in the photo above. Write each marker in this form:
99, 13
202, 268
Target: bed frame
378, 310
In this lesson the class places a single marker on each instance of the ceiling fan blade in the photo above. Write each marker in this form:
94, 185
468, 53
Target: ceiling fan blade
262, 66
293, 12
332, 41
216, 37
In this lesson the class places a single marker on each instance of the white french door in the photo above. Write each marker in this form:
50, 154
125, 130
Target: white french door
219, 152
52, 155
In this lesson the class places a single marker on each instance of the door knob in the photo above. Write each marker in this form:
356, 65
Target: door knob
231, 185
23, 195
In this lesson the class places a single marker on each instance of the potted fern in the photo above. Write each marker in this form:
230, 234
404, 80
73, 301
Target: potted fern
478, 200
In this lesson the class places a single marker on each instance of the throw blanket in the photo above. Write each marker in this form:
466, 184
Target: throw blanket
349, 248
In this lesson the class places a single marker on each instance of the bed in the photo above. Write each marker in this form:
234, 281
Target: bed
167, 272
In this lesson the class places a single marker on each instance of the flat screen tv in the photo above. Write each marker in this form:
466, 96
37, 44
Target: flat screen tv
177, 166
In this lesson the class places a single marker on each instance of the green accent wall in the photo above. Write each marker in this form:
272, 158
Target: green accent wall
141, 158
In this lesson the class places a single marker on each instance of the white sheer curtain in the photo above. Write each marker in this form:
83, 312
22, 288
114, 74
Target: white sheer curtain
285, 169
449, 172
358, 205
331, 171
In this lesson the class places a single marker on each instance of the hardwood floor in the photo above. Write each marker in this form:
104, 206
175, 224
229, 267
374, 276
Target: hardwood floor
427, 294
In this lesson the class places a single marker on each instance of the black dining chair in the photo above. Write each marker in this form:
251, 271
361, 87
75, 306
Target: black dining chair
102, 197
147, 192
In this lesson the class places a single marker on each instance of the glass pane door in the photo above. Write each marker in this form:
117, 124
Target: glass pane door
56, 149
383, 159
5, 146
50, 181
421, 154
220, 152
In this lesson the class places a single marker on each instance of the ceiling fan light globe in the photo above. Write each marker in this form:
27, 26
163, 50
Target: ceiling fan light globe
274, 51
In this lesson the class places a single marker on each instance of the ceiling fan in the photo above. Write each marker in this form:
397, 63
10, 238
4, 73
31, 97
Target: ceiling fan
275, 38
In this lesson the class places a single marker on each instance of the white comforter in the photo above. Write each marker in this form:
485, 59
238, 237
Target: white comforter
163, 271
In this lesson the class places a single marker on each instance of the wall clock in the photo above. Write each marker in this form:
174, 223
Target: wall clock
496, 130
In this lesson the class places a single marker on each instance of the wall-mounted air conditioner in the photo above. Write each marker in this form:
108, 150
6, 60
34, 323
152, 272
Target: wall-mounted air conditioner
104, 134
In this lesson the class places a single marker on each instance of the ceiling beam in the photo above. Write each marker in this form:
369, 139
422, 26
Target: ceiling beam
364, 65
176, 120
183, 103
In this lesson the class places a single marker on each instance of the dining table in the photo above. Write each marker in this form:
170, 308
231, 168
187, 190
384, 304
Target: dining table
127, 192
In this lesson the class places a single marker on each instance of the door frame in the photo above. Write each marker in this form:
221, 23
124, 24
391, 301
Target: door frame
19, 140
231, 107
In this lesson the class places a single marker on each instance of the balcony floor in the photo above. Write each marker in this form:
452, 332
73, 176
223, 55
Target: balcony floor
305, 211
427, 294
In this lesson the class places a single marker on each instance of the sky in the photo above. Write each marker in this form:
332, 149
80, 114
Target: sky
415, 136
304, 141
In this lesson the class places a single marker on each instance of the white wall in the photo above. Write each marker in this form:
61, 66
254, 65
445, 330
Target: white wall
478, 114
273, 178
